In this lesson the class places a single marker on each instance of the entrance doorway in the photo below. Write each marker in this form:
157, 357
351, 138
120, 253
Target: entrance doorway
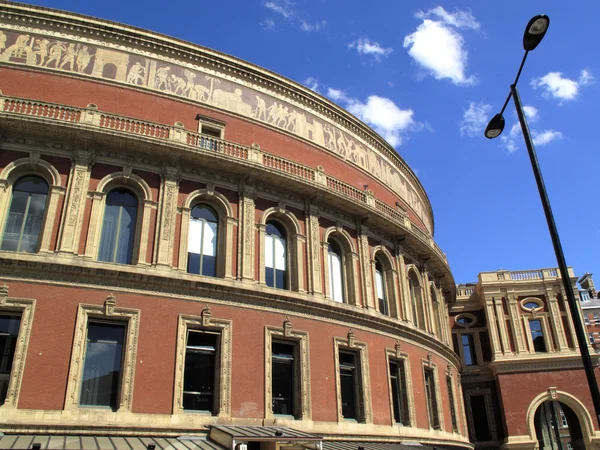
557, 427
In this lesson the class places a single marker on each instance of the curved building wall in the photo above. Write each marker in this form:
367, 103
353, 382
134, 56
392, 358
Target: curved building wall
90, 108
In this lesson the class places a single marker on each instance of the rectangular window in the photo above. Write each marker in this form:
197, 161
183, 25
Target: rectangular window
399, 392
283, 378
9, 331
430, 393
537, 335
200, 372
210, 133
102, 367
348, 384
563, 418
591, 336
586, 319
380, 288
480, 418
468, 350
452, 405
596, 318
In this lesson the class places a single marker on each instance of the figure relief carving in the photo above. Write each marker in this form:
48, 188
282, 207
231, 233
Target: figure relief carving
206, 315
398, 349
351, 338
77, 194
109, 305
138, 70
287, 327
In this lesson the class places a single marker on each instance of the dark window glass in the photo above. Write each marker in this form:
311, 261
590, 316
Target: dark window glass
380, 289
9, 331
199, 372
480, 419
452, 406
348, 382
276, 256
537, 335
102, 366
283, 378
202, 241
399, 394
25, 215
468, 350
118, 227
434, 420
531, 305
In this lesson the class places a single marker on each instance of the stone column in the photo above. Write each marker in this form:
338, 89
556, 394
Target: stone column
55, 193
426, 299
517, 325
142, 250
570, 319
246, 233
72, 219
183, 237
93, 235
556, 321
262, 232
364, 267
313, 250
492, 327
299, 241
164, 237
403, 297
501, 320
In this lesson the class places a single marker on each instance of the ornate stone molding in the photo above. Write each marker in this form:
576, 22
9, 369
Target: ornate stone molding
205, 322
107, 311
26, 308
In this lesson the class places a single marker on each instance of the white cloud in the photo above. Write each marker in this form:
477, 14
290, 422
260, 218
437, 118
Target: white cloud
268, 24
305, 26
458, 19
438, 47
337, 95
545, 137
475, 118
531, 113
312, 83
366, 47
564, 89
510, 140
283, 7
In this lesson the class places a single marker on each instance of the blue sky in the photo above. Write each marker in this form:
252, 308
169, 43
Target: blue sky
427, 75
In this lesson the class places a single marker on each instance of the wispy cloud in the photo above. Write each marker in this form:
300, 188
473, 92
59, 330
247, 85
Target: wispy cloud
285, 8
554, 85
312, 83
364, 46
381, 113
475, 119
437, 45
512, 139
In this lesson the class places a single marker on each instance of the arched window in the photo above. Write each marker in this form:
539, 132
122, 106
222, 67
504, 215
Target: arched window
336, 272
276, 256
118, 227
202, 241
380, 288
416, 298
26, 215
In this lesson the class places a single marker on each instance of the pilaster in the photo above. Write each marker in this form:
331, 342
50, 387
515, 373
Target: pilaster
246, 232
72, 218
517, 326
501, 323
167, 214
183, 237
404, 298
556, 321
492, 327
313, 250
364, 267
54, 194
93, 235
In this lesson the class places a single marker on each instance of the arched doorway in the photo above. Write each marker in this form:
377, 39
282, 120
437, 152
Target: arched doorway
557, 427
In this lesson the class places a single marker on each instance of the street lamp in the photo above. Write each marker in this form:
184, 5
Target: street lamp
534, 33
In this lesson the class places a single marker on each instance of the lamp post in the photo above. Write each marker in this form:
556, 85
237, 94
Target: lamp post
534, 33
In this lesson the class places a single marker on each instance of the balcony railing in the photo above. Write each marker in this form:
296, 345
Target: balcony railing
92, 117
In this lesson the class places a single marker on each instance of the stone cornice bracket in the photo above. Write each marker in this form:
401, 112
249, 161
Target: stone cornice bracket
206, 315
170, 173
109, 304
127, 170
398, 349
429, 359
287, 327
84, 141
351, 338
83, 156
3, 292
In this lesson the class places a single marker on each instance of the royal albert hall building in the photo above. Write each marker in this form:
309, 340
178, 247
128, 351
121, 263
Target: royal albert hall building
196, 252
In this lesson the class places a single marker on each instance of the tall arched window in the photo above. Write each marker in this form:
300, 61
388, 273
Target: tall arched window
336, 272
416, 298
380, 288
118, 227
202, 241
276, 256
26, 215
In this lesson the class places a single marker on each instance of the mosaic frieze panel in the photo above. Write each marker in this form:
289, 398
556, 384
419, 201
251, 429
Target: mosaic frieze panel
85, 57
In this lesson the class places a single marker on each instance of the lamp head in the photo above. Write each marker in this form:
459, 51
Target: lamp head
535, 31
495, 127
